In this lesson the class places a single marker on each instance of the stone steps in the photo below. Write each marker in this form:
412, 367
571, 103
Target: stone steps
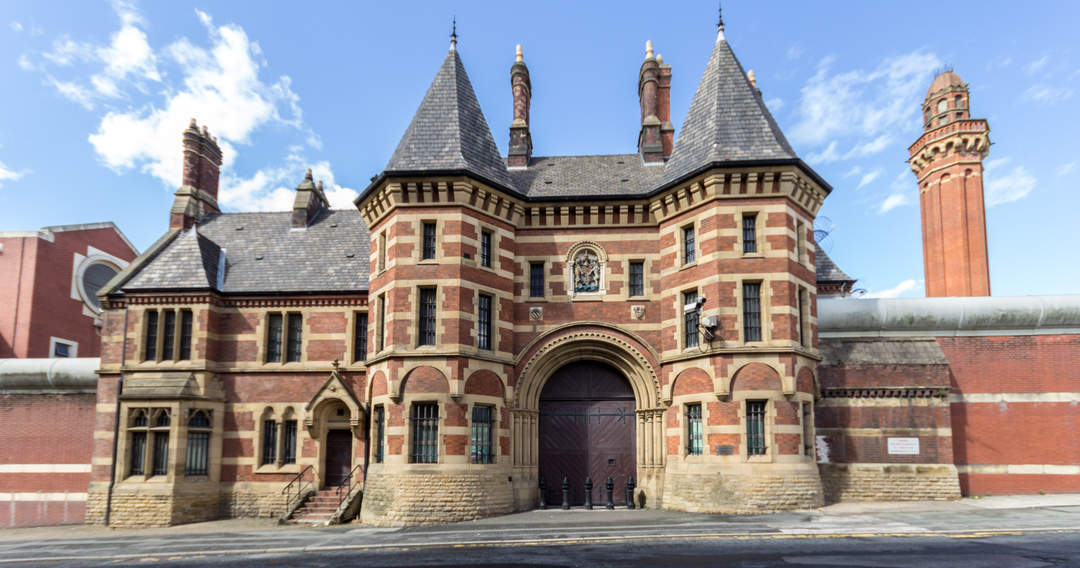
317, 510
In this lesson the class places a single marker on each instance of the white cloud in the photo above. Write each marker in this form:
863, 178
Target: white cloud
25, 64
1037, 65
72, 91
794, 52
8, 174
898, 290
856, 170
67, 51
865, 106
775, 104
869, 178
1009, 187
892, 202
221, 87
1047, 94
270, 189
1066, 169
16, 27
829, 154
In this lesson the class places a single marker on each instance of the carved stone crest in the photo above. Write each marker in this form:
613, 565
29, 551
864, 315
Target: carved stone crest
586, 272
536, 313
637, 312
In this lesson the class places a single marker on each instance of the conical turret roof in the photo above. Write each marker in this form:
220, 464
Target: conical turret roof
727, 121
448, 133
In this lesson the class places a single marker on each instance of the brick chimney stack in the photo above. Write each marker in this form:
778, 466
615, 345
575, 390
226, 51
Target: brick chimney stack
649, 143
663, 107
948, 162
310, 201
197, 195
520, 138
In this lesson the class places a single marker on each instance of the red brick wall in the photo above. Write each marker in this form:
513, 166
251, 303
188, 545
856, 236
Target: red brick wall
40, 434
1023, 427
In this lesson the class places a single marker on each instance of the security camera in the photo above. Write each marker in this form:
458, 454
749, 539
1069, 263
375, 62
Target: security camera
695, 305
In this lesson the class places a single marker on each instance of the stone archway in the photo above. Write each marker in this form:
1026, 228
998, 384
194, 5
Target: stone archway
623, 352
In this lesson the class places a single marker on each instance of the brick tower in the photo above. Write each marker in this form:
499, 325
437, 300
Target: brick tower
947, 160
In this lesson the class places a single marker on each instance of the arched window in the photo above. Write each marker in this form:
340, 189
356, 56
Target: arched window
198, 443
160, 461
942, 105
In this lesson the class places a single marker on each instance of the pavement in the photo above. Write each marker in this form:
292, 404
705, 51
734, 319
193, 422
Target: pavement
965, 518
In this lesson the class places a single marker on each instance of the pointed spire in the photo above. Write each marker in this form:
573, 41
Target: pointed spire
727, 121
449, 131
453, 35
719, 22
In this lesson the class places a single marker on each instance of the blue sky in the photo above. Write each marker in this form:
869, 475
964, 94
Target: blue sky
97, 94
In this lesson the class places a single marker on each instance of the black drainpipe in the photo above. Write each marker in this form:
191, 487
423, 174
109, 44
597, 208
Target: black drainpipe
116, 419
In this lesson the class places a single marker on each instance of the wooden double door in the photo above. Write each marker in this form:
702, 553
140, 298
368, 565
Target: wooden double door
587, 428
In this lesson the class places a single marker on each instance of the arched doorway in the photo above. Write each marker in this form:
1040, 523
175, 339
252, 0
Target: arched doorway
587, 428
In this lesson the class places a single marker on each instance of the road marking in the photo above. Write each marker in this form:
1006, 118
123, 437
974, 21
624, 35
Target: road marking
549, 542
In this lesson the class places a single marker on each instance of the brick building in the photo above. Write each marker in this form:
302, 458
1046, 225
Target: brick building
49, 281
50, 318
483, 327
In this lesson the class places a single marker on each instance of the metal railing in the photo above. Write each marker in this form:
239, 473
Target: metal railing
299, 485
345, 489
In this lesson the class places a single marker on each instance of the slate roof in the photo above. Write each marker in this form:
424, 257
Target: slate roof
263, 253
727, 121
574, 177
827, 271
449, 132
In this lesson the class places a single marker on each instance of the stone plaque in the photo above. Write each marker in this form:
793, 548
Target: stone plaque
904, 446
725, 449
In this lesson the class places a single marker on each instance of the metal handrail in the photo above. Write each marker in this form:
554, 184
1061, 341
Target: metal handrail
297, 481
346, 485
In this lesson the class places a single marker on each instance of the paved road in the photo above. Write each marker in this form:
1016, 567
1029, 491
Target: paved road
965, 533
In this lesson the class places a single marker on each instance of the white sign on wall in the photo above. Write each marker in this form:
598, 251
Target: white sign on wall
904, 446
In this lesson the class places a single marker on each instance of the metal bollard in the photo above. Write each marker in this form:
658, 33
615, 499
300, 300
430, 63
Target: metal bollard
630, 492
543, 493
610, 485
588, 492
565, 494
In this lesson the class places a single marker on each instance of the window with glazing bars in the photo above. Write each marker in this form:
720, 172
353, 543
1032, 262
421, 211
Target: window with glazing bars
380, 330
296, 329
150, 351
198, 444
637, 278
690, 321
169, 335
749, 233
381, 263
536, 279
269, 449
288, 446
483, 419
485, 248
755, 427
360, 338
694, 440
807, 430
429, 242
688, 245
273, 338
161, 453
379, 420
752, 311
801, 321
427, 316
185, 335
483, 324
425, 432
138, 453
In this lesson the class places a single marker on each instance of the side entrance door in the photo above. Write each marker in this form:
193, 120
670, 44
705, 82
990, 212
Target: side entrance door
338, 456
587, 428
